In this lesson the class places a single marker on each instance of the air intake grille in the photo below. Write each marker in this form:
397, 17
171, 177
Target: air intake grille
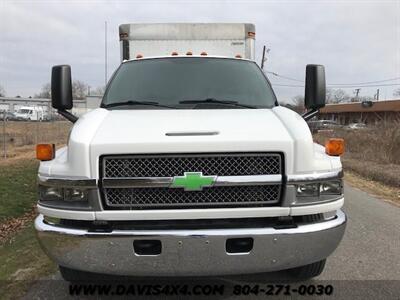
210, 197
169, 166
248, 164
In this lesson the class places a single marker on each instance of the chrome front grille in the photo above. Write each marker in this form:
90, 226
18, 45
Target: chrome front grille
221, 196
209, 164
135, 177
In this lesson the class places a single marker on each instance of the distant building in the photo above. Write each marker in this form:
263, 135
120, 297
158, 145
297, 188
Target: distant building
80, 106
368, 112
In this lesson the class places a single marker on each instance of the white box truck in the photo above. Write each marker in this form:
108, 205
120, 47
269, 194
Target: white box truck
30, 113
190, 167
226, 40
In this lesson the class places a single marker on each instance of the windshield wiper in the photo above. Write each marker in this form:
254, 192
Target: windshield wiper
134, 102
216, 101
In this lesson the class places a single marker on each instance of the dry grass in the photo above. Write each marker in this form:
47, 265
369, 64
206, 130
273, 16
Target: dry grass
21, 138
379, 190
379, 144
373, 153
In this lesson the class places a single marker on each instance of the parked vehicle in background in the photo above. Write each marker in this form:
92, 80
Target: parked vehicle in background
190, 167
356, 126
317, 125
30, 113
7, 116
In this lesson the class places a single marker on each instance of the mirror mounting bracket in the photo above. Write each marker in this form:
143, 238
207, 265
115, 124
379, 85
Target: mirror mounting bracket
310, 114
66, 114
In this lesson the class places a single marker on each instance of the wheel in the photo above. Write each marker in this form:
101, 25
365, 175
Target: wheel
72, 275
308, 271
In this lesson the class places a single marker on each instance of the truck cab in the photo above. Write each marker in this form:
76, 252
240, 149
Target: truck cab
190, 167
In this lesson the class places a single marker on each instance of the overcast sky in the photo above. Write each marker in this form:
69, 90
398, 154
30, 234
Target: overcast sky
357, 41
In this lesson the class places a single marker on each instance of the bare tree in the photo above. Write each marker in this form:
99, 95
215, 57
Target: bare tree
79, 89
99, 91
336, 96
45, 92
396, 92
365, 98
298, 101
2, 91
297, 104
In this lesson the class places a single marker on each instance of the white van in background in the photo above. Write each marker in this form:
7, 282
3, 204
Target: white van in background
30, 113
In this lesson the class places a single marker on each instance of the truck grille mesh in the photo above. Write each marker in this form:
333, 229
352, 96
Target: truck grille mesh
174, 165
215, 197
169, 166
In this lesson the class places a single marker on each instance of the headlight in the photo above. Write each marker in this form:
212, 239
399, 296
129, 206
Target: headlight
74, 194
57, 193
331, 187
50, 193
307, 190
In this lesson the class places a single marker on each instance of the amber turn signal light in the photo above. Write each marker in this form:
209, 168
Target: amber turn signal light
45, 151
334, 147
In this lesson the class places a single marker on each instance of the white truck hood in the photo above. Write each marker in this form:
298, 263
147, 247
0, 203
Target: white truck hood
104, 132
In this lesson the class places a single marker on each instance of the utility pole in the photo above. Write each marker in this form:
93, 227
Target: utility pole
105, 53
357, 92
264, 59
4, 134
377, 95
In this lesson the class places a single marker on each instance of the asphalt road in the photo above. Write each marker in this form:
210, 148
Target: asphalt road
366, 264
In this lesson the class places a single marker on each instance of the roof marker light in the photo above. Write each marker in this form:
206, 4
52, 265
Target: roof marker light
189, 53
203, 53
174, 53
238, 56
139, 56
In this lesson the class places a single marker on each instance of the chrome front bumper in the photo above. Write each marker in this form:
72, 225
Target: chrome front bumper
190, 252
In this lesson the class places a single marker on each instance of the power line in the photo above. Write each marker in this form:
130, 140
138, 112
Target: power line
286, 85
338, 84
335, 86
282, 76
367, 82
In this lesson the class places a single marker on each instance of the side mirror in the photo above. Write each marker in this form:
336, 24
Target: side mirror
61, 91
315, 91
61, 87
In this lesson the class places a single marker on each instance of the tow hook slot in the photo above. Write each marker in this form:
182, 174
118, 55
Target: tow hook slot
239, 245
147, 247
285, 223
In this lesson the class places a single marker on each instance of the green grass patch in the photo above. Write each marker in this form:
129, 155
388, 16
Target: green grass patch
21, 262
17, 188
21, 259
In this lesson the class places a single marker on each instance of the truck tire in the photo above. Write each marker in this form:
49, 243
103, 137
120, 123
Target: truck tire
72, 275
308, 271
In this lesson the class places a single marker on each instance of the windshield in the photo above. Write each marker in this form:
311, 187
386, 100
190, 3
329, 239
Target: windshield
169, 81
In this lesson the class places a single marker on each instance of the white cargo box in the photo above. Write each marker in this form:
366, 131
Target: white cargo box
216, 39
